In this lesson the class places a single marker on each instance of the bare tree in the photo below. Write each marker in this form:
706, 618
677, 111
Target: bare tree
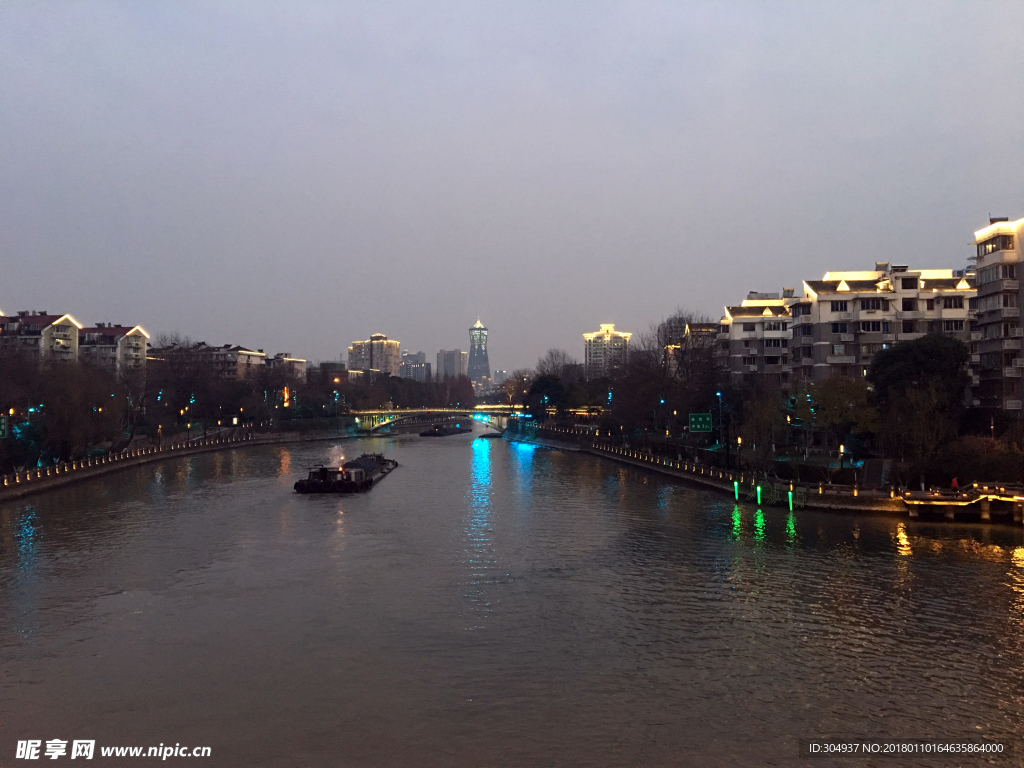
556, 362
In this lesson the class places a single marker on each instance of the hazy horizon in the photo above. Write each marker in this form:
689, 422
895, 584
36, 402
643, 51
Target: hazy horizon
295, 177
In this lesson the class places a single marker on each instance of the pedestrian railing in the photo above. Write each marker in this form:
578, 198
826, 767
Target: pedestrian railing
79, 465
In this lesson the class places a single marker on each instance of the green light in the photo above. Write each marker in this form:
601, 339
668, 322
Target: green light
736, 488
759, 526
759, 495
791, 528
790, 501
736, 521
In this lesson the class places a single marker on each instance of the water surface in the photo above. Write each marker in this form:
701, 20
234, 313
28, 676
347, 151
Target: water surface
489, 604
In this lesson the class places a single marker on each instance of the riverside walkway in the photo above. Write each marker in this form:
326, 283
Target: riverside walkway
986, 503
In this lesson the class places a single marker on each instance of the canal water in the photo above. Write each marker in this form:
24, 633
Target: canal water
491, 603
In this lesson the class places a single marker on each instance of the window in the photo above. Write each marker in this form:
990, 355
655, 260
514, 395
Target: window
874, 304
885, 327
871, 326
838, 349
724, 346
952, 325
997, 272
908, 283
776, 342
773, 325
746, 343
748, 326
930, 304
785, 359
997, 243
771, 361
799, 310
972, 303
909, 305
909, 326
838, 327
953, 302
750, 361
839, 306
933, 326
806, 330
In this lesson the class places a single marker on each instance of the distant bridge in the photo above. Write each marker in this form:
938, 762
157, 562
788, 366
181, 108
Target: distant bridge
494, 416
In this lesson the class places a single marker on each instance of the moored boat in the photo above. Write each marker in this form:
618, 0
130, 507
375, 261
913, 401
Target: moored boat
354, 476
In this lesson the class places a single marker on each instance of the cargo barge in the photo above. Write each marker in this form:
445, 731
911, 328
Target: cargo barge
355, 476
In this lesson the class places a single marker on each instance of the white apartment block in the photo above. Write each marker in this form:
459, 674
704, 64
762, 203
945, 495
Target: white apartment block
42, 335
604, 350
378, 353
117, 348
841, 321
998, 346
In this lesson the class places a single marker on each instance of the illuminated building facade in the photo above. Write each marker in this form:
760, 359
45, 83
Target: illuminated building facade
117, 348
997, 349
604, 351
42, 335
841, 321
378, 353
479, 367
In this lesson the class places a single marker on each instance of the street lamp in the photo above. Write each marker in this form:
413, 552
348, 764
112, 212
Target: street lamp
841, 449
739, 448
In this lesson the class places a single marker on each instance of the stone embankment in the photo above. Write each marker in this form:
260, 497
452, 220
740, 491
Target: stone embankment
39, 479
757, 488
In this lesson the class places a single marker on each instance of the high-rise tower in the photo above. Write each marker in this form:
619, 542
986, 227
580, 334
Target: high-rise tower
479, 367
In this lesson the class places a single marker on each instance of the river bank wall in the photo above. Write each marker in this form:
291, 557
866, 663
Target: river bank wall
41, 479
765, 491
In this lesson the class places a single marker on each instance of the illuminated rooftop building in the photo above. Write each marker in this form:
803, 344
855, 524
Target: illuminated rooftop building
604, 351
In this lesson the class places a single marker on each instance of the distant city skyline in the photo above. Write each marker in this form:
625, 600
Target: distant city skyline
295, 177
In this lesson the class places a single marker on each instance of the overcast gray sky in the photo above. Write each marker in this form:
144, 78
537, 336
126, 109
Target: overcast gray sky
294, 176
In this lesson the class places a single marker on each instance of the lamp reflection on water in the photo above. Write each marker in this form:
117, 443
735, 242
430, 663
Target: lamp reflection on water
479, 553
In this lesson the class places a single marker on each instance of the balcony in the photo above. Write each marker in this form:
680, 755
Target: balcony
888, 337
908, 336
841, 359
1011, 344
1011, 373
1018, 362
998, 286
842, 316
805, 320
1011, 405
915, 315
975, 335
975, 359
847, 337
1000, 313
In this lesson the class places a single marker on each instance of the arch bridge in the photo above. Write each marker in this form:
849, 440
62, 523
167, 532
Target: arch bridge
378, 421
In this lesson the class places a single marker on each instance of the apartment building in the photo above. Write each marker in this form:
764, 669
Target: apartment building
840, 322
998, 346
452, 363
378, 353
604, 350
40, 334
295, 366
414, 366
118, 348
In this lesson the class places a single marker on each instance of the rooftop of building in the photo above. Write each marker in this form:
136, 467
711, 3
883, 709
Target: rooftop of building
1000, 225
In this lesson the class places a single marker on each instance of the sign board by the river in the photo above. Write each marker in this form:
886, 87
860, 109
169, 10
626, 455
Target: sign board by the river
3, 427
700, 422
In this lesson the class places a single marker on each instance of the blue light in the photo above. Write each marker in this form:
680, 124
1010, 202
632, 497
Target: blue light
718, 393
